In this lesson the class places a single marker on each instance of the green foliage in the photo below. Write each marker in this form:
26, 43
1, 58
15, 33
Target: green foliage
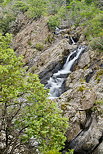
4, 2
94, 31
39, 46
90, 17
79, 12
20, 6
53, 22
62, 13
52, 152
5, 20
88, 1
1, 1
97, 43
99, 102
95, 25
54, 6
99, 73
36, 8
56, 152
81, 88
71, 151
26, 111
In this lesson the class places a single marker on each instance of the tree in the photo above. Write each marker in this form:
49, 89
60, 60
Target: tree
36, 8
25, 110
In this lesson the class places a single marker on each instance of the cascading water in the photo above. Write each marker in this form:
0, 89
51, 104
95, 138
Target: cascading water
72, 40
55, 82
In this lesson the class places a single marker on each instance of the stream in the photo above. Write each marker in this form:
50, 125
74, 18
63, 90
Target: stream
55, 83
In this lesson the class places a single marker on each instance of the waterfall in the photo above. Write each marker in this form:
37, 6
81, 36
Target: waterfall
72, 40
55, 82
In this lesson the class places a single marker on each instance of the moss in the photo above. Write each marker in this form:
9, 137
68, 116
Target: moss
29, 43
99, 102
98, 74
81, 88
49, 39
98, 80
82, 80
39, 46
63, 106
97, 107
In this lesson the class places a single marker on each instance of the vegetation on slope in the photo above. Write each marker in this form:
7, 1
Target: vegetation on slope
85, 13
25, 110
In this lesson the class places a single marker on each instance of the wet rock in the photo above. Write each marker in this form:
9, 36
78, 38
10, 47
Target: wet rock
52, 59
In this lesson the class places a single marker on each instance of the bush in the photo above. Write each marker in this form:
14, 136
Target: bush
36, 8
20, 6
86, 14
94, 31
5, 21
79, 12
97, 43
54, 6
53, 22
94, 26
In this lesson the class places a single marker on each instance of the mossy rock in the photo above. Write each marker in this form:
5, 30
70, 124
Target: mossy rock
39, 46
99, 73
81, 88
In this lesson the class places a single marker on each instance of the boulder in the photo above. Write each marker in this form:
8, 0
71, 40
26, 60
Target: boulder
84, 60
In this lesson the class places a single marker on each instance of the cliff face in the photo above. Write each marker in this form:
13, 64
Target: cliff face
82, 101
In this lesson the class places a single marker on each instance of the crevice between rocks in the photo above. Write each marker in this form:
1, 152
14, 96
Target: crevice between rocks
79, 141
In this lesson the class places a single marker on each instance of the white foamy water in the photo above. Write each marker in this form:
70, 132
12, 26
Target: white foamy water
56, 81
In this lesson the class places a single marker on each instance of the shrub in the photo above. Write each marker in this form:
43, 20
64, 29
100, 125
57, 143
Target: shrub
94, 26
79, 12
36, 8
53, 22
94, 31
5, 21
54, 6
97, 43
20, 6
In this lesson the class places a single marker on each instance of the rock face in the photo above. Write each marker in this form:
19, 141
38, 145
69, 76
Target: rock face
52, 59
31, 35
82, 101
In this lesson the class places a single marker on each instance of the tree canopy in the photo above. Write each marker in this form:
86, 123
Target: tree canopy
25, 109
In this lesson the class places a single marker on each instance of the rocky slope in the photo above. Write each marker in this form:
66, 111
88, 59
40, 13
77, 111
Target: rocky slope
82, 101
